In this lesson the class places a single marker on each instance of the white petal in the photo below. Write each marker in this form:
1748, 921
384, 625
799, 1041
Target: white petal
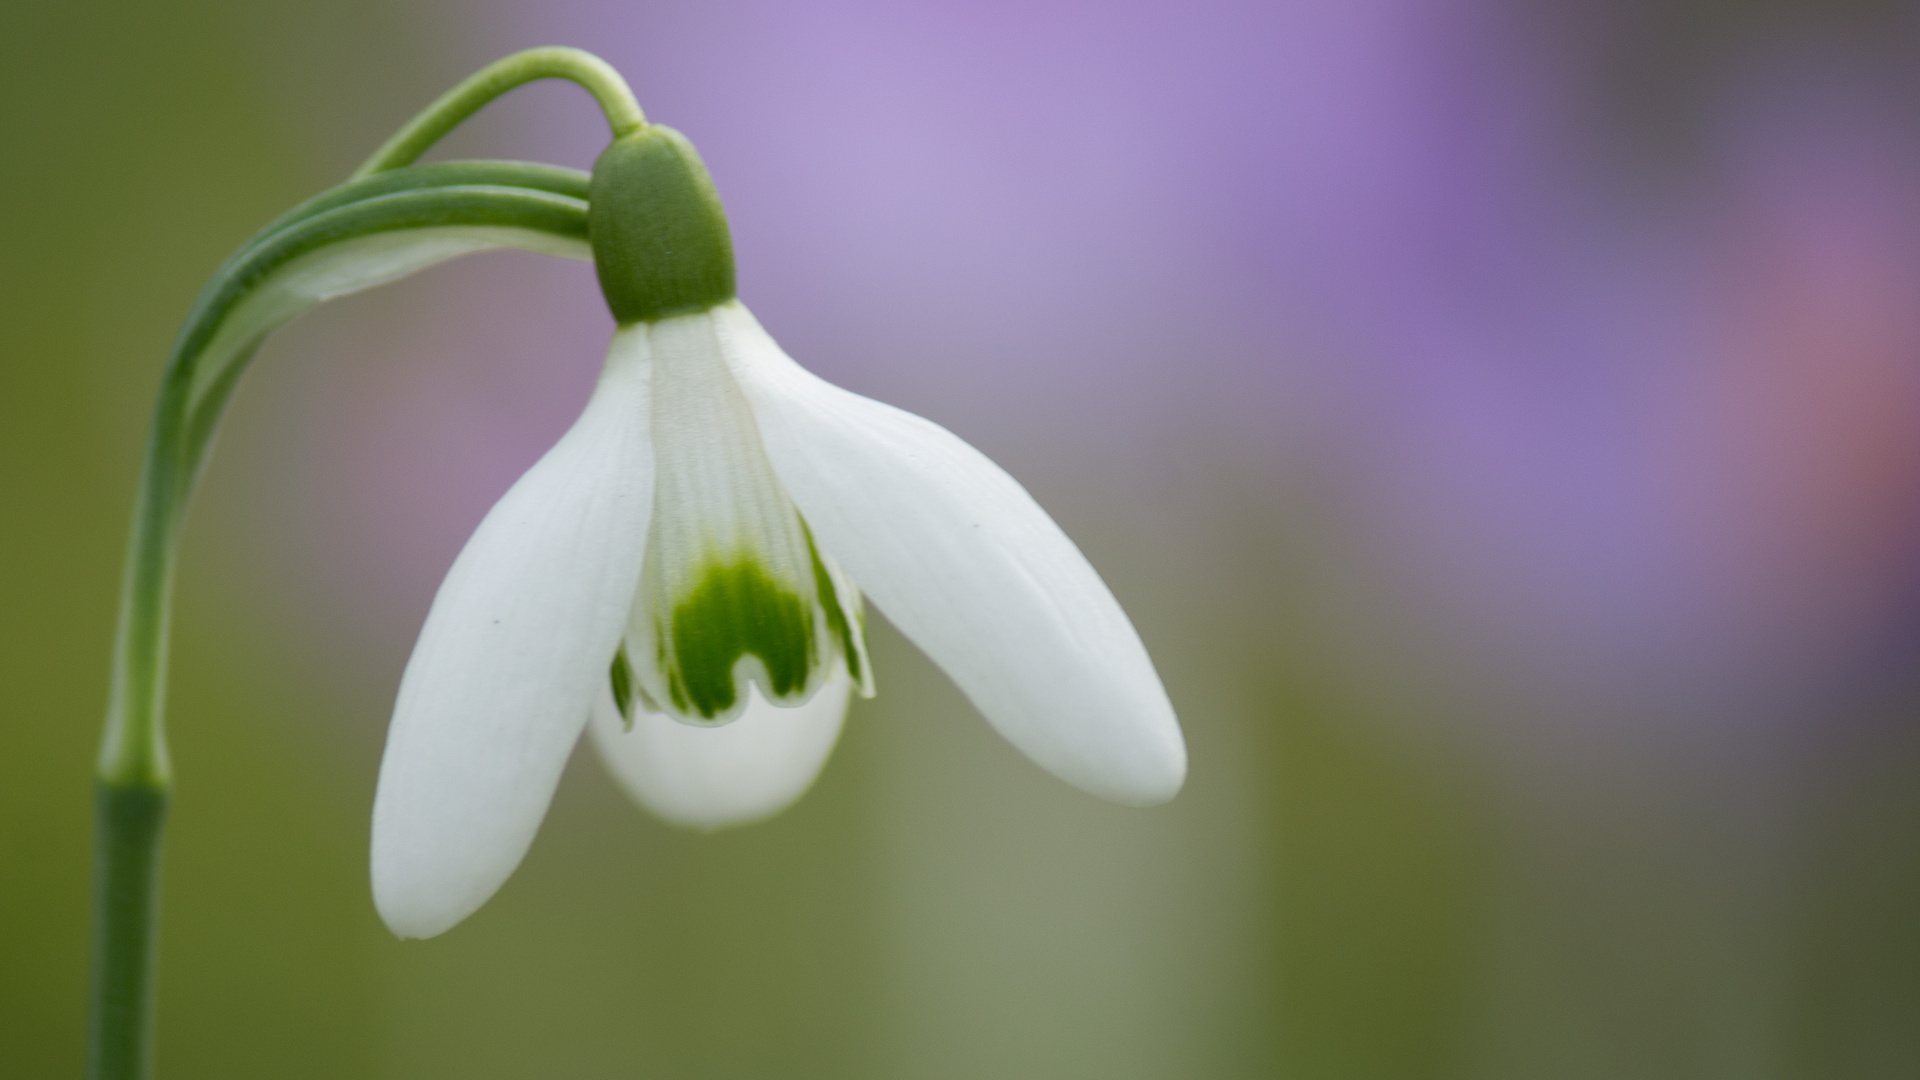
516, 646
712, 777
967, 565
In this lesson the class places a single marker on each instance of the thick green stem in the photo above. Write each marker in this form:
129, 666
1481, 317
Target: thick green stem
456, 105
135, 776
126, 891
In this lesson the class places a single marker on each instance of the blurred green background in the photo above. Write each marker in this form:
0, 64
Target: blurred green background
1344, 890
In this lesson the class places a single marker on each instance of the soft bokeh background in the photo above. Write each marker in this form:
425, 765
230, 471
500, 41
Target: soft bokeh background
1501, 419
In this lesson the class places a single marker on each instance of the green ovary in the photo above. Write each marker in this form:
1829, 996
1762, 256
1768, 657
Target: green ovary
736, 610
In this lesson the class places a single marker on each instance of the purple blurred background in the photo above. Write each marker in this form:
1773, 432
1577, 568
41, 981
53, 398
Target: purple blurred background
1502, 421
1603, 368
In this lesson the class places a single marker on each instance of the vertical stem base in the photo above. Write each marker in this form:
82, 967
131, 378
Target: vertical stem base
128, 823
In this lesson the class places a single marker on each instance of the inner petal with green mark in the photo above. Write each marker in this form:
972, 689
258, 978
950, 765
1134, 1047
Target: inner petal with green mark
733, 590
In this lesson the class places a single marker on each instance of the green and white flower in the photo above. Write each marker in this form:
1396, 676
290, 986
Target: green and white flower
682, 571
686, 568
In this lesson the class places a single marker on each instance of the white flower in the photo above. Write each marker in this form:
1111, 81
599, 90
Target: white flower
715, 498
685, 566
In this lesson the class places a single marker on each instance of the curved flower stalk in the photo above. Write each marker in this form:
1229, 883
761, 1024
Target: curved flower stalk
388, 222
361, 235
683, 571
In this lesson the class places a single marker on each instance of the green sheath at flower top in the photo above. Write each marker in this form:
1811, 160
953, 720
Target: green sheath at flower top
660, 238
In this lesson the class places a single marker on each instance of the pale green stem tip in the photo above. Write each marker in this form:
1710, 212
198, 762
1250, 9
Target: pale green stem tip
548, 62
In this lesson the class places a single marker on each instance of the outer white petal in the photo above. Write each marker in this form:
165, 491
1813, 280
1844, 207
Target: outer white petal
967, 565
712, 777
516, 645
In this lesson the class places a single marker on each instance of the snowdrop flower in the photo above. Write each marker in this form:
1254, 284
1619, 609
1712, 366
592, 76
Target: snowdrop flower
684, 572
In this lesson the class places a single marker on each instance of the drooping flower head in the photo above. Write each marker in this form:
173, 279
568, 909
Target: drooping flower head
686, 568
